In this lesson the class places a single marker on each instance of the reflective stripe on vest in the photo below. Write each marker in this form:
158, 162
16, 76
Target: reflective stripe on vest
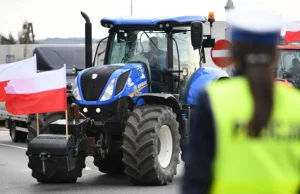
269, 164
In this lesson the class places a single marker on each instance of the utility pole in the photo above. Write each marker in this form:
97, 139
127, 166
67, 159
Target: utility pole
229, 5
131, 7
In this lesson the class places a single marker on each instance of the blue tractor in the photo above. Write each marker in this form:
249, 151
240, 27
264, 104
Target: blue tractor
132, 113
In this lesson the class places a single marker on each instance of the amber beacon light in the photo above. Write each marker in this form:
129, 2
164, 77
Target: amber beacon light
211, 16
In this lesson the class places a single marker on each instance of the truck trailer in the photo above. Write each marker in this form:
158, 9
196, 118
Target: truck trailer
48, 58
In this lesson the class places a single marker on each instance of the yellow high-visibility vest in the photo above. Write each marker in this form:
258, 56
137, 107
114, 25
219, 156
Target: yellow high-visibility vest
269, 164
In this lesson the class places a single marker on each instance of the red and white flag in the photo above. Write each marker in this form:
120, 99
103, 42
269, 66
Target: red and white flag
13, 70
292, 33
37, 93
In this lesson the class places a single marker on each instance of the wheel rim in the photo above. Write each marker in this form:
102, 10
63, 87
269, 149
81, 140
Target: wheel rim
166, 146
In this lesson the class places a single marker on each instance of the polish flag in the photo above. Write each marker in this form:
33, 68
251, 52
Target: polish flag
13, 70
292, 33
37, 93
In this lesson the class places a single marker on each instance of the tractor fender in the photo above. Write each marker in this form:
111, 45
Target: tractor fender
164, 99
198, 82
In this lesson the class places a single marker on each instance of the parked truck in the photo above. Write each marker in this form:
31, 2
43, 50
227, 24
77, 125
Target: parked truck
131, 114
48, 58
288, 66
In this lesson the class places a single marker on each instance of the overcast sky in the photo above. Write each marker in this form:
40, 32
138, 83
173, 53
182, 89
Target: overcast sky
61, 18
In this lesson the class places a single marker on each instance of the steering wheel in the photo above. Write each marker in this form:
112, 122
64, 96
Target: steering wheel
288, 76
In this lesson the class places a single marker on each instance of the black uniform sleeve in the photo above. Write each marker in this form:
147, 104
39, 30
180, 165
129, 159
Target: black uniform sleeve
201, 149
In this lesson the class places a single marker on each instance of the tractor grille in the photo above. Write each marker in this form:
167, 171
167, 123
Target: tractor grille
92, 88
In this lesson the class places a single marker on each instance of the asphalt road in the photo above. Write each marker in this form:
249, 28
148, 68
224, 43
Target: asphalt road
15, 176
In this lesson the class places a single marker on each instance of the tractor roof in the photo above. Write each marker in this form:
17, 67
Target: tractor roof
130, 22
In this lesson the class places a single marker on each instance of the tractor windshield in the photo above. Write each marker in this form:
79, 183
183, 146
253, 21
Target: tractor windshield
151, 48
288, 66
148, 47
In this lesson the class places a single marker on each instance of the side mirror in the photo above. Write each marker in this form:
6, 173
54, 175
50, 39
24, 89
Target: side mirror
197, 34
287, 75
121, 37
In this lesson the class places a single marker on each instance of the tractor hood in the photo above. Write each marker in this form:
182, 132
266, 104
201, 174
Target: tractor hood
106, 83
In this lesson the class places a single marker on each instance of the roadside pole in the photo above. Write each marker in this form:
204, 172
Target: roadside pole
228, 6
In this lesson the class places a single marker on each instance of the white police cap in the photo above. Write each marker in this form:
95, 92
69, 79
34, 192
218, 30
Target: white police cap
255, 26
255, 21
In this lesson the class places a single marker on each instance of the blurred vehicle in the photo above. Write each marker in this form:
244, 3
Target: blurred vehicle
288, 66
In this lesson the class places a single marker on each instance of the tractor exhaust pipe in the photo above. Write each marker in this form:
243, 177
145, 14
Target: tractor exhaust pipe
88, 41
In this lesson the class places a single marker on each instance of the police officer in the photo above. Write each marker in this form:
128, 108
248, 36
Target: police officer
245, 135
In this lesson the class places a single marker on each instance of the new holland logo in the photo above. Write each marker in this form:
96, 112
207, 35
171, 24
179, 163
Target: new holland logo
94, 76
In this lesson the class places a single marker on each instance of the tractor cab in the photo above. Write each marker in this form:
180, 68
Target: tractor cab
288, 66
163, 45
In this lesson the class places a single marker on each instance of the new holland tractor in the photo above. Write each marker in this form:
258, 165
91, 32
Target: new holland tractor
132, 113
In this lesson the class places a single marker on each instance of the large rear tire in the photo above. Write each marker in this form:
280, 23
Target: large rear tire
151, 145
62, 177
110, 165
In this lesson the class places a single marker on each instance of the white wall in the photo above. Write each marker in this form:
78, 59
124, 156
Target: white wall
23, 51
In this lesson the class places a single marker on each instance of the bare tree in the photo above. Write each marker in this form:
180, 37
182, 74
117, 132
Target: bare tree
24, 35
12, 39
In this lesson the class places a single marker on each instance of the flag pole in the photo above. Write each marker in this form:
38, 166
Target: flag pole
67, 127
37, 125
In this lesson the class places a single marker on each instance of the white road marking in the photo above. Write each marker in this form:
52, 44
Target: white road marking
26, 170
87, 168
29, 170
4, 133
221, 53
18, 147
89, 174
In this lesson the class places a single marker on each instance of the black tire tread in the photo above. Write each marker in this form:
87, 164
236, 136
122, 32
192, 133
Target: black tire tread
139, 153
62, 177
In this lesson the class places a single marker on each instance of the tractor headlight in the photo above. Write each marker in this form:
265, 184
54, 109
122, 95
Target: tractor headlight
109, 91
76, 90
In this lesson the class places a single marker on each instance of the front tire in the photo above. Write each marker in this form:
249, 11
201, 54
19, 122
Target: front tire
62, 177
151, 145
